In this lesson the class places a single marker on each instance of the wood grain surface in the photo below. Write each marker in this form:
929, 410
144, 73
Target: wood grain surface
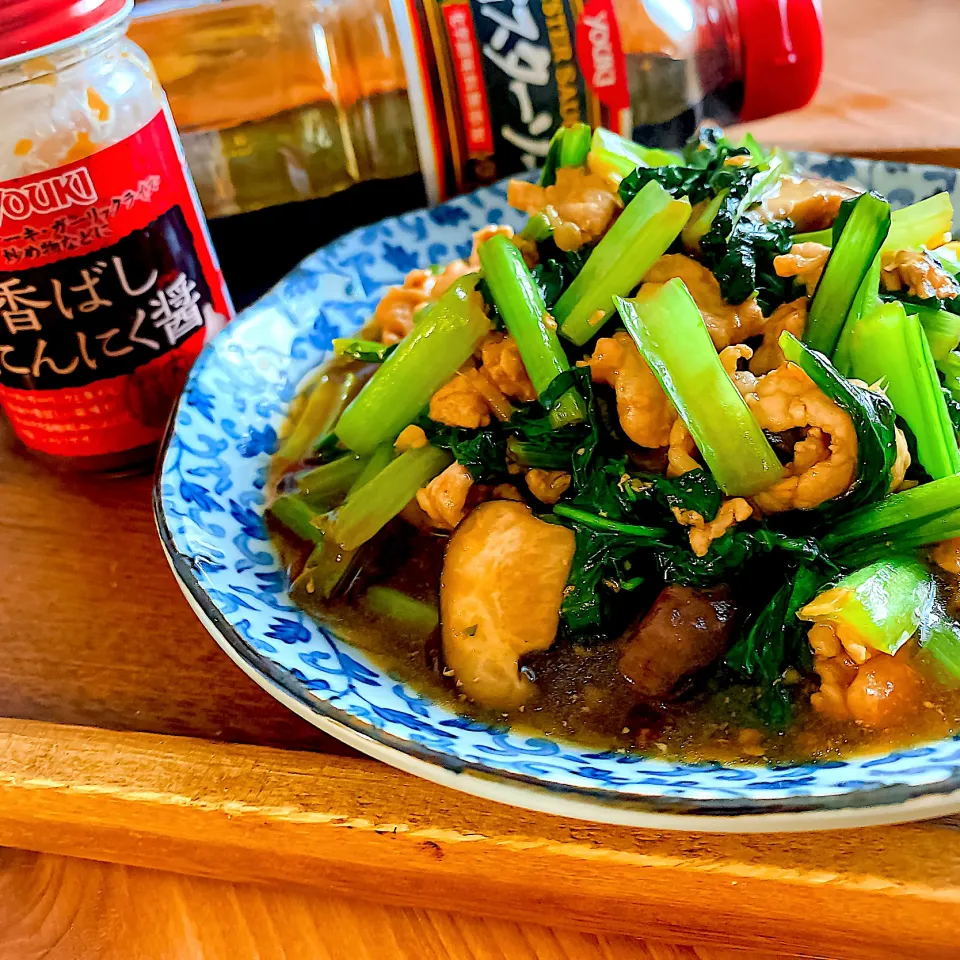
58, 908
889, 69
94, 628
352, 827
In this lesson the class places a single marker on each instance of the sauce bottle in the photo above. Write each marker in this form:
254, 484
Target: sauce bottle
109, 286
281, 100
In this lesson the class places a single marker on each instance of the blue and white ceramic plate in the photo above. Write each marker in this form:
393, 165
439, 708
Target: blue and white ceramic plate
209, 506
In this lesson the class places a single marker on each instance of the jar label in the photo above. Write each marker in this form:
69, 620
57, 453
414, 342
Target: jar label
490, 81
108, 289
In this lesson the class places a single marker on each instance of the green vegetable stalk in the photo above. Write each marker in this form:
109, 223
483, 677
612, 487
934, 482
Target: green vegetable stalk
537, 228
371, 507
569, 147
605, 525
325, 402
922, 224
889, 346
672, 337
575, 145
526, 318
611, 154
880, 606
866, 300
695, 230
638, 238
941, 327
366, 351
401, 607
823, 237
423, 362
939, 653
948, 259
378, 460
321, 486
899, 516
858, 244
297, 516
949, 366
330, 567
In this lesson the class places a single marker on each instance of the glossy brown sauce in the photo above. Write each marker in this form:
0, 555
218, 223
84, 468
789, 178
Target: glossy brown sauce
581, 694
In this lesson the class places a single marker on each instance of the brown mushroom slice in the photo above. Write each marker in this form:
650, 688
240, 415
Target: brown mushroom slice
500, 593
684, 631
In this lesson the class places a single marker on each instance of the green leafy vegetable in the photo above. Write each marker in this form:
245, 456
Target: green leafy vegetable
526, 318
775, 640
528, 438
860, 230
594, 521
882, 604
556, 270
738, 249
637, 239
423, 362
669, 331
371, 507
367, 351
328, 395
890, 347
744, 264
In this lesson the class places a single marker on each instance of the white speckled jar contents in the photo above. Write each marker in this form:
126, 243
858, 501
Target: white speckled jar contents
109, 286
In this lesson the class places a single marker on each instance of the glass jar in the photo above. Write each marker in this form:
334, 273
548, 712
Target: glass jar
283, 100
108, 283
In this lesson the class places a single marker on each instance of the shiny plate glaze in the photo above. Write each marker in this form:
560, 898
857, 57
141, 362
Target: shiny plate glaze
209, 501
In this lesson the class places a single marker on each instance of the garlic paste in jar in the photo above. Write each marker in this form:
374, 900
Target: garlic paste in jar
109, 286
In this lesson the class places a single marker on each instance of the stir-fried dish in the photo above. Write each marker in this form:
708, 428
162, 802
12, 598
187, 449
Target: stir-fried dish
673, 469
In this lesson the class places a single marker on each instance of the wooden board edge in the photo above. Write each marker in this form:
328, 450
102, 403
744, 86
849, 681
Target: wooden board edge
357, 827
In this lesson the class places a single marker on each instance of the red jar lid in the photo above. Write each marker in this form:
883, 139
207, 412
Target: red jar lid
782, 49
33, 26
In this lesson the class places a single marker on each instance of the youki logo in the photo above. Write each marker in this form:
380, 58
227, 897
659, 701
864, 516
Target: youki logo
49, 195
600, 54
604, 69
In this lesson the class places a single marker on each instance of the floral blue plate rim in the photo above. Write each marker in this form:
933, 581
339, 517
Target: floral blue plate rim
208, 508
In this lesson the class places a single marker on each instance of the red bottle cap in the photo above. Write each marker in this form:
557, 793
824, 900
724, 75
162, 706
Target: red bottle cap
782, 49
32, 27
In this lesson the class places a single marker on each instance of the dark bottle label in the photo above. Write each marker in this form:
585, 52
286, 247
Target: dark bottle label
490, 81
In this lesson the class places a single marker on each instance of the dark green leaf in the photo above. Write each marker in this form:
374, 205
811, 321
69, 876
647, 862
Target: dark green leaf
774, 640
556, 269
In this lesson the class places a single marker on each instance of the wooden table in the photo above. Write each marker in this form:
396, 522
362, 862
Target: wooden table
155, 803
